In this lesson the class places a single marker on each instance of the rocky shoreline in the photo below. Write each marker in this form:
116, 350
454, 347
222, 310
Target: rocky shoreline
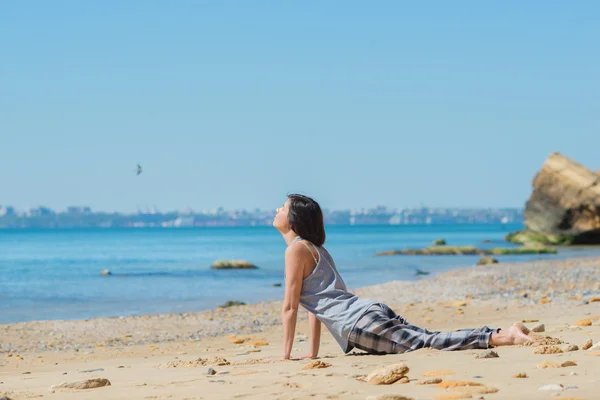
537, 282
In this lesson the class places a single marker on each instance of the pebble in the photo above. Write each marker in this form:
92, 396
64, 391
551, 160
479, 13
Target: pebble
551, 387
520, 375
587, 344
583, 322
389, 397
91, 370
453, 384
568, 364
318, 364
572, 347
547, 364
433, 381
547, 350
387, 375
80, 385
440, 372
487, 354
539, 328
210, 371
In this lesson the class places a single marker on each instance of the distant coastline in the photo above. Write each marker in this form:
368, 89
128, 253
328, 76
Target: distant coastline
84, 217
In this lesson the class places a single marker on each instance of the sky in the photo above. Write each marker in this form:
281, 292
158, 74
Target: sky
236, 104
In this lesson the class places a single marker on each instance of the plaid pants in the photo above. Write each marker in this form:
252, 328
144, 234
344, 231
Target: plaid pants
381, 331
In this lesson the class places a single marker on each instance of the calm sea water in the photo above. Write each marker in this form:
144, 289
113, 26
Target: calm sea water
55, 274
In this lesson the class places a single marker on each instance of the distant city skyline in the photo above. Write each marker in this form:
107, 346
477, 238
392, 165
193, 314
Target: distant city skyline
85, 217
238, 104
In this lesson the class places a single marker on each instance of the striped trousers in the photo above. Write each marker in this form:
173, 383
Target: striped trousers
381, 331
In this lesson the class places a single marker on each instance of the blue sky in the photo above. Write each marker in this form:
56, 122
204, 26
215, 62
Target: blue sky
235, 104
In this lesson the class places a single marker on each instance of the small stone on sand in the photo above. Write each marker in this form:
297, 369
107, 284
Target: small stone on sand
551, 387
547, 350
317, 365
452, 384
568, 364
440, 372
587, 344
389, 397
80, 385
547, 364
520, 375
433, 381
584, 322
539, 328
487, 354
387, 375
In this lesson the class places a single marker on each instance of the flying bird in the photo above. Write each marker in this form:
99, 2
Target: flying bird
139, 169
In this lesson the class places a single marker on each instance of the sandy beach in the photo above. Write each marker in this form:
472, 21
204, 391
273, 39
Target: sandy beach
231, 353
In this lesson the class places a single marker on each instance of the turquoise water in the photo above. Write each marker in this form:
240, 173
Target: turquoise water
55, 274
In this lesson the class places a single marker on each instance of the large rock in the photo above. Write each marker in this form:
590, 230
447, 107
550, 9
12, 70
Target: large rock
564, 207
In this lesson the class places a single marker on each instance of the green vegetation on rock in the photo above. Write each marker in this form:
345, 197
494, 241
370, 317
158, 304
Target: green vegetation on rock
231, 303
233, 264
467, 250
485, 260
528, 237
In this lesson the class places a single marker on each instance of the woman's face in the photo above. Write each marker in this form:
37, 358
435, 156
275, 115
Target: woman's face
281, 218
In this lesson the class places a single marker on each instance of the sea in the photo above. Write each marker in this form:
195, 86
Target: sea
54, 274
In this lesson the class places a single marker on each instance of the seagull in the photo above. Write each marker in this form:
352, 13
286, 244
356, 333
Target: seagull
139, 169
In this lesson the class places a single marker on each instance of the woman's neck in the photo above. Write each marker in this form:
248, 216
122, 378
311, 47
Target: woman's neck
289, 237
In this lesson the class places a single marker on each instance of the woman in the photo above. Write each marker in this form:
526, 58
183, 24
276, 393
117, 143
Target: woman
312, 280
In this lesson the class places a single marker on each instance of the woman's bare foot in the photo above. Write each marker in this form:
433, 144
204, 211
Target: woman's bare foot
523, 328
519, 334
514, 336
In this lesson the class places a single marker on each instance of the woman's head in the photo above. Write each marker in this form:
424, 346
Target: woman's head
302, 215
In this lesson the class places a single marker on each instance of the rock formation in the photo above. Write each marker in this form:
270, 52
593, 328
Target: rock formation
564, 207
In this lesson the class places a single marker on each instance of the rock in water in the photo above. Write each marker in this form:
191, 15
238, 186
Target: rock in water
87, 384
564, 207
105, 272
233, 264
439, 242
487, 260
387, 375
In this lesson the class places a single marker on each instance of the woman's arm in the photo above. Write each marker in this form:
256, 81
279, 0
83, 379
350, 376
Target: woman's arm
315, 335
294, 271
